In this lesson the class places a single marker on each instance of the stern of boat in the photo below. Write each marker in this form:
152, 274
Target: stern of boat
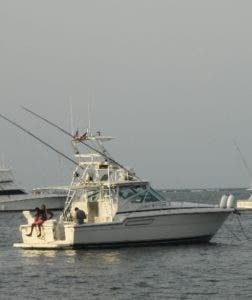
47, 233
53, 234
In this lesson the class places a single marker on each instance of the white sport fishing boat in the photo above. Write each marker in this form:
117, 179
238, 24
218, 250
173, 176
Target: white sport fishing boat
15, 198
121, 209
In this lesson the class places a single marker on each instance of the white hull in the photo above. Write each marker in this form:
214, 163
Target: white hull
163, 227
29, 202
146, 228
245, 204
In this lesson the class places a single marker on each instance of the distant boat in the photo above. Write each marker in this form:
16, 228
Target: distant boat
245, 203
7, 184
15, 198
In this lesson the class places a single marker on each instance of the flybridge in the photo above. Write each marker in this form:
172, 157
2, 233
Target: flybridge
6, 175
7, 184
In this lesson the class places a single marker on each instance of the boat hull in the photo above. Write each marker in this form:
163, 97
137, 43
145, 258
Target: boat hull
166, 227
28, 202
172, 226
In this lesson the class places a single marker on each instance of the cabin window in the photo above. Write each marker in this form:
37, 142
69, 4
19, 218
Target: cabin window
93, 197
138, 194
101, 194
127, 192
149, 197
104, 177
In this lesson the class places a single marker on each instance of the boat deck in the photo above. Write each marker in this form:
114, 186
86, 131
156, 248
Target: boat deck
43, 245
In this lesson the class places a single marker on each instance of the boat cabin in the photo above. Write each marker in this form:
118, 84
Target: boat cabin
104, 189
110, 203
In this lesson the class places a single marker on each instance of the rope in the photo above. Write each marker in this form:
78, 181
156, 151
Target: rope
241, 227
232, 233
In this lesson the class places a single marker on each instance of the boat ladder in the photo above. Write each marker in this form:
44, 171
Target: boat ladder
70, 196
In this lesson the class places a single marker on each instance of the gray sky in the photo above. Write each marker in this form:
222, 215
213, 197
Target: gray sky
170, 79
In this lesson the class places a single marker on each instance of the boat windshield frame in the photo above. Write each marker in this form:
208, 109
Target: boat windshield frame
139, 194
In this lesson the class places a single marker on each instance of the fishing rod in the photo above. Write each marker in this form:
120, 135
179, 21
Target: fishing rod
73, 137
242, 158
39, 139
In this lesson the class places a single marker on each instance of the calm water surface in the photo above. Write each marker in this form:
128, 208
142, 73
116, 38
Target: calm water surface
220, 269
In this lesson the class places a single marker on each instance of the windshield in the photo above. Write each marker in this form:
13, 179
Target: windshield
139, 194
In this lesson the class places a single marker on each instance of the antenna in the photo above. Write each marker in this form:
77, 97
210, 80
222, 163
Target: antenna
243, 159
89, 114
71, 115
38, 139
82, 142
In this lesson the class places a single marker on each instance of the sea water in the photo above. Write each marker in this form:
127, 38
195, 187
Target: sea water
221, 269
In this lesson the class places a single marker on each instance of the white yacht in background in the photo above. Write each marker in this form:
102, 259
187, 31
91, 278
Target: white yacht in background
121, 209
15, 198
7, 184
245, 204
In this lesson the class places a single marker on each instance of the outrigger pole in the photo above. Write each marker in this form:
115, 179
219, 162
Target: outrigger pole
242, 158
72, 136
39, 139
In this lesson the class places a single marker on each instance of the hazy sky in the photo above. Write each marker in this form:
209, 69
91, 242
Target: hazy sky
170, 79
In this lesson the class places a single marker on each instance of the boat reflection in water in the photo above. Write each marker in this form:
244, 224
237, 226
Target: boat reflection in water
121, 209
71, 256
39, 254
